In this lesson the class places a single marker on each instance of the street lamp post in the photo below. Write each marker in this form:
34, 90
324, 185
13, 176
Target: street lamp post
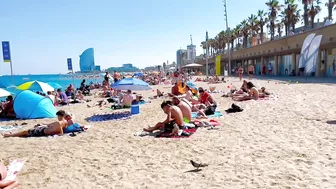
228, 37
207, 54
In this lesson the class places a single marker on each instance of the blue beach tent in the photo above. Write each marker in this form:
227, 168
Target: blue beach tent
29, 105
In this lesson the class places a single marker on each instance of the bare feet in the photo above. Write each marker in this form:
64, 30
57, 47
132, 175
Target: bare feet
7, 135
148, 130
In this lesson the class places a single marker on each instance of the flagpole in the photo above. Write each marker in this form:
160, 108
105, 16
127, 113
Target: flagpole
228, 37
207, 54
7, 57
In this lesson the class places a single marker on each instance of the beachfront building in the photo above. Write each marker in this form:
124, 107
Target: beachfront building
181, 57
124, 68
191, 52
284, 55
86, 61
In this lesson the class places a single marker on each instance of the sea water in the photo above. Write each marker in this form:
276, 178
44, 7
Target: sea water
62, 79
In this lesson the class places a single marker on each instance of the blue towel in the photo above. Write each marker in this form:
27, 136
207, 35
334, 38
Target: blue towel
108, 117
217, 114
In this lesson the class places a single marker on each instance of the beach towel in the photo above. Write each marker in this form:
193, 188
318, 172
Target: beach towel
109, 117
13, 168
167, 134
7, 119
9, 128
216, 114
207, 123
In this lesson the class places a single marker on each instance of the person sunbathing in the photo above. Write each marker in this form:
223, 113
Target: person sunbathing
185, 108
175, 90
126, 101
263, 93
6, 184
173, 121
253, 93
55, 128
207, 104
8, 108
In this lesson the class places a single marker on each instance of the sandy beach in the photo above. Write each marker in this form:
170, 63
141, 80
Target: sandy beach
282, 142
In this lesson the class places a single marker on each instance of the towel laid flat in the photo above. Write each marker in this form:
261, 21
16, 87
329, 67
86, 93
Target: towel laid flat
216, 114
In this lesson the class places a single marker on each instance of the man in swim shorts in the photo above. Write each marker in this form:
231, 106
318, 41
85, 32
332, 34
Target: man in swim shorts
185, 108
173, 121
55, 128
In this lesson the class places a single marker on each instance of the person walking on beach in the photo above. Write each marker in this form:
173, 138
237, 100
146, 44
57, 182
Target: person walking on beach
240, 73
54, 128
251, 71
270, 69
115, 76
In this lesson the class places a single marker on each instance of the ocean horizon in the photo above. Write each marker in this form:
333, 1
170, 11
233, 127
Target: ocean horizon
62, 79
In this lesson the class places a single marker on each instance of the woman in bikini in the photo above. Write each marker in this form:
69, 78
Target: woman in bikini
253, 93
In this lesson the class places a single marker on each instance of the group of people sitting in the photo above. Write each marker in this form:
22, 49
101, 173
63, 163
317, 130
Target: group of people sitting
249, 91
179, 109
64, 120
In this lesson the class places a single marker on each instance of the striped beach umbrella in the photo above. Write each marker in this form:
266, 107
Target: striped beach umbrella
36, 86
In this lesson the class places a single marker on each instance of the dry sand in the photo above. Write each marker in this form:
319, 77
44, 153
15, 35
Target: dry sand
283, 142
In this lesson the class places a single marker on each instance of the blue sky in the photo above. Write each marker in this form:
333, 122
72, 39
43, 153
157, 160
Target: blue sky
43, 34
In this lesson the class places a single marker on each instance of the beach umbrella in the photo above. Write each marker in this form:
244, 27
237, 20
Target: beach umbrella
4, 93
131, 84
138, 74
36, 86
55, 85
192, 65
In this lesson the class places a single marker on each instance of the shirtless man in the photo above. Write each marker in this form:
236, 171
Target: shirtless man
55, 128
173, 121
185, 108
127, 99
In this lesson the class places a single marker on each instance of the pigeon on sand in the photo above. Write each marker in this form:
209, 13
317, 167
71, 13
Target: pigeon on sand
197, 165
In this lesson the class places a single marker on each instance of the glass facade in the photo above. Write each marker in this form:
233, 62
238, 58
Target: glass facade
86, 61
285, 65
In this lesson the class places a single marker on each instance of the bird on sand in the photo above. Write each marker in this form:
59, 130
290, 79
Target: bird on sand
197, 165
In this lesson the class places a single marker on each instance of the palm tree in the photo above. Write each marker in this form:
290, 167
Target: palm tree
203, 45
331, 6
289, 15
295, 19
245, 29
273, 6
313, 11
305, 12
262, 20
285, 20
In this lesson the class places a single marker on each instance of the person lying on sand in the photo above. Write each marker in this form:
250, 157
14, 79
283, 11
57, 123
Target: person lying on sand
173, 121
253, 93
6, 184
185, 108
55, 128
99, 103
263, 93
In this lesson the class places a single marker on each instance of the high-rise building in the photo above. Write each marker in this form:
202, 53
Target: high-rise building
86, 61
181, 56
191, 52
